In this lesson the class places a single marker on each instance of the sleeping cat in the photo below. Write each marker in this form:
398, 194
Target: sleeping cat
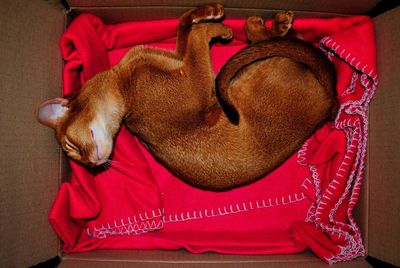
272, 96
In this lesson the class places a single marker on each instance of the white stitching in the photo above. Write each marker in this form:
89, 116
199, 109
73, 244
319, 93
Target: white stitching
244, 207
327, 41
356, 133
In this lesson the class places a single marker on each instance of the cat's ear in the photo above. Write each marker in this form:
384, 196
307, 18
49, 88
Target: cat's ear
49, 112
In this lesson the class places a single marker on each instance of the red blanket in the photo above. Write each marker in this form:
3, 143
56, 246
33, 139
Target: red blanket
305, 203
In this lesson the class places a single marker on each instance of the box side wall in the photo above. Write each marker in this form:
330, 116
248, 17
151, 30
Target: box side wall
384, 146
182, 258
328, 6
30, 73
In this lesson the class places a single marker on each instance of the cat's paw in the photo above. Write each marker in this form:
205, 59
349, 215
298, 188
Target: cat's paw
255, 29
214, 30
283, 21
226, 32
254, 25
207, 13
254, 21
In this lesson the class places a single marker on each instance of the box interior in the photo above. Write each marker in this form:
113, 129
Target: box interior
32, 161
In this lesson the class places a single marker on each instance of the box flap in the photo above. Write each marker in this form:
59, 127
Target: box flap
30, 72
330, 6
384, 144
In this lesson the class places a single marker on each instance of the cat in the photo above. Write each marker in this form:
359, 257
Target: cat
170, 101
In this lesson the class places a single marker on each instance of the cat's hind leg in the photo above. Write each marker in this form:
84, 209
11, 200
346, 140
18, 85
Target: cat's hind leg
281, 26
209, 12
255, 29
282, 23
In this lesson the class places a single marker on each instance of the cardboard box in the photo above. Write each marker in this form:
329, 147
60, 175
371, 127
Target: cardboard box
31, 160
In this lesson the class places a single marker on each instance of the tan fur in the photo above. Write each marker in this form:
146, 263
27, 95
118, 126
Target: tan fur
168, 100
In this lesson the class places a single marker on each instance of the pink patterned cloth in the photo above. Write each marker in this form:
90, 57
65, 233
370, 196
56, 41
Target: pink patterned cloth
306, 203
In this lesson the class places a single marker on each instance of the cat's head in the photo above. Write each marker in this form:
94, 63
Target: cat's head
86, 125
82, 134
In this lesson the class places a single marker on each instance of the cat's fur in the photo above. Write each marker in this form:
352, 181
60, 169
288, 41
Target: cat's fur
280, 91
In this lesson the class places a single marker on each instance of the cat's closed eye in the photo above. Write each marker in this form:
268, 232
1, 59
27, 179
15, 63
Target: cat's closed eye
71, 147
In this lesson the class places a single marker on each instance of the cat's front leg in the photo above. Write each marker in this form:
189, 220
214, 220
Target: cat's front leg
196, 55
197, 69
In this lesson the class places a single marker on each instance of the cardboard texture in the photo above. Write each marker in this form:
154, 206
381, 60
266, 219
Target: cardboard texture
384, 153
31, 160
30, 157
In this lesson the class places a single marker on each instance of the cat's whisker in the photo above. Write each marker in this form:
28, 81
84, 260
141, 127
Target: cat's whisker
116, 163
105, 166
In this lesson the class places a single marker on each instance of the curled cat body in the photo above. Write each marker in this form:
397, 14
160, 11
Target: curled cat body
215, 134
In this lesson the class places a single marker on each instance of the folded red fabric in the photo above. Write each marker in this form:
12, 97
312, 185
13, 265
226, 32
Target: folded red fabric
306, 203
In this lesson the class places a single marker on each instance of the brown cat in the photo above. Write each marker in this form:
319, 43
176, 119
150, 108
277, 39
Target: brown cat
167, 99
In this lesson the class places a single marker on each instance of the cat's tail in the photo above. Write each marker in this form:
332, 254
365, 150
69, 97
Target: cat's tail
295, 49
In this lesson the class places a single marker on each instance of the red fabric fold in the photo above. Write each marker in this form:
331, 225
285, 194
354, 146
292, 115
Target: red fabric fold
80, 45
305, 203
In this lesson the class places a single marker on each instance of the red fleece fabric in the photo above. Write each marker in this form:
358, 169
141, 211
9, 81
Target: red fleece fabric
305, 203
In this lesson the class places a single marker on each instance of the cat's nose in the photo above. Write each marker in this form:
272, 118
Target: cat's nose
95, 161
